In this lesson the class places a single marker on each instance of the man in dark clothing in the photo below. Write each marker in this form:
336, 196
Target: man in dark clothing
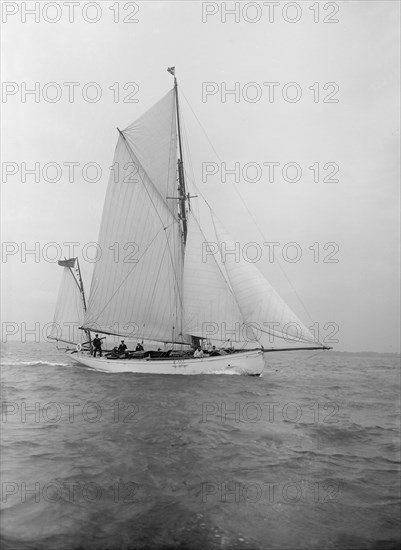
97, 345
122, 347
214, 352
114, 353
139, 347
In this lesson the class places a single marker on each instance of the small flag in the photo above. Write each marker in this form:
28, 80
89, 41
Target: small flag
171, 70
67, 263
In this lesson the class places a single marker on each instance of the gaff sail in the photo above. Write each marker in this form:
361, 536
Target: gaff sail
136, 288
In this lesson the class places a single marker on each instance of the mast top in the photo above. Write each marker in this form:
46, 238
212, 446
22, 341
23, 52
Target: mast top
171, 70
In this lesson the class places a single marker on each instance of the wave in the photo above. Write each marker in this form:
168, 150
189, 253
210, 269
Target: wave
226, 371
34, 363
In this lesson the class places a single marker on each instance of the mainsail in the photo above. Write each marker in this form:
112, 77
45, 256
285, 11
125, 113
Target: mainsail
137, 282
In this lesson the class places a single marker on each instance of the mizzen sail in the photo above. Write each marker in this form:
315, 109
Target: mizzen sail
69, 313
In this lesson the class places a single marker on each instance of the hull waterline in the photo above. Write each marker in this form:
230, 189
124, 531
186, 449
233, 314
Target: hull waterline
244, 363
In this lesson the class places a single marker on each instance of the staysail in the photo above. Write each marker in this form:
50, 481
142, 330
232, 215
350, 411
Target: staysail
209, 303
136, 288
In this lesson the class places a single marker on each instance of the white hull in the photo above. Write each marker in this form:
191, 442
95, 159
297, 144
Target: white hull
249, 363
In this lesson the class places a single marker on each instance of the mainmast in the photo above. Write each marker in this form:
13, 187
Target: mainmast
182, 194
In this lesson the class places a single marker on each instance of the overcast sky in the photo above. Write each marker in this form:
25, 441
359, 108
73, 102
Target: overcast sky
342, 108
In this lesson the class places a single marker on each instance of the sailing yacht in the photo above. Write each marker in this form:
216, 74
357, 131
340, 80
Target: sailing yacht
154, 282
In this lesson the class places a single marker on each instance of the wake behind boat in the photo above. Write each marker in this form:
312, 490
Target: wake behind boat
158, 279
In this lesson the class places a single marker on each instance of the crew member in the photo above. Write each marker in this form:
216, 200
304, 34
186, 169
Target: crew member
214, 352
198, 352
122, 347
97, 346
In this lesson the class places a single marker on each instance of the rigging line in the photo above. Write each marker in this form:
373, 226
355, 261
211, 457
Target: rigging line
190, 177
247, 209
219, 268
134, 157
273, 333
176, 220
197, 189
126, 277
215, 261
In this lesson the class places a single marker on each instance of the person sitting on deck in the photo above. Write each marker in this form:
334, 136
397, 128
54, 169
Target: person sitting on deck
97, 346
214, 352
139, 347
114, 353
198, 352
122, 348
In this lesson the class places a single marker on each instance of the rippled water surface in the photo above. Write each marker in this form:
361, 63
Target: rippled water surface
306, 456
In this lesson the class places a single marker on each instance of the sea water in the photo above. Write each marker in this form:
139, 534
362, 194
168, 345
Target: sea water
306, 456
